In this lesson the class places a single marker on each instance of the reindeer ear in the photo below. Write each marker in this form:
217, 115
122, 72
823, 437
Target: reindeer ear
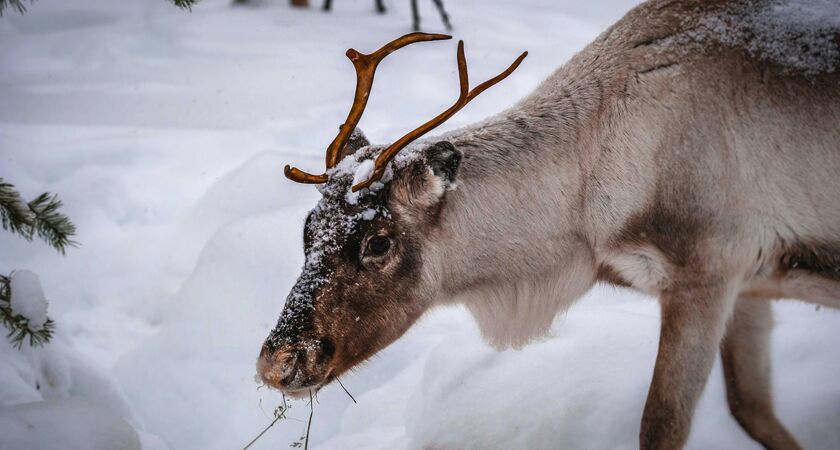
444, 159
418, 189
356, 141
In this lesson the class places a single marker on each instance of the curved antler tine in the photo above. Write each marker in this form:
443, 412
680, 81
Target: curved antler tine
465, 97
365, 66
365, 70
483, 86
295, 174
463, 75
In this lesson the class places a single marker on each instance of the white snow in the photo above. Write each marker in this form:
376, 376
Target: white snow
368, 214
28, 299
363, 171
165, 133
796, 34
55, 397
45, 426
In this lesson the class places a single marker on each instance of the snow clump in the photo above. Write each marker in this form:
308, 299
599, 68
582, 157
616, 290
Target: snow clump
28, 299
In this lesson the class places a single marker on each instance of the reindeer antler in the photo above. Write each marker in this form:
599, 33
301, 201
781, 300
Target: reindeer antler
465, 97
365, 66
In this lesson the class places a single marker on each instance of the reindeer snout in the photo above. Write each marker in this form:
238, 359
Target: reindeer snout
293, 367
277, 368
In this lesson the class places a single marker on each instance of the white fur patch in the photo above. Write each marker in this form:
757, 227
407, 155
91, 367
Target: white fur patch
644, 268
514, 314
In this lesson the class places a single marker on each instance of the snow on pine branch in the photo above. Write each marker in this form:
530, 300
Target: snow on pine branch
39, 217
23, 309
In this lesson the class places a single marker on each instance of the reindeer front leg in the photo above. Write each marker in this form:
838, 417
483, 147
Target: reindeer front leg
745, 353
694, 316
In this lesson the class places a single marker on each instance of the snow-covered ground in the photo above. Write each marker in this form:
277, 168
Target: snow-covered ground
165, 134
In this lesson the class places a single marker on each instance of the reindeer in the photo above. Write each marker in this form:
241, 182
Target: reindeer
676, 154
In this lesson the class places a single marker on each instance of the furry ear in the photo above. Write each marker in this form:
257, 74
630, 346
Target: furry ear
419, 188
444, 159
357, 140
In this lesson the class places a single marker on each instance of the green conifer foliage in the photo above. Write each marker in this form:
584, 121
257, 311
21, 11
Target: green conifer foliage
185, 4
14, 4
20, 6
41, 218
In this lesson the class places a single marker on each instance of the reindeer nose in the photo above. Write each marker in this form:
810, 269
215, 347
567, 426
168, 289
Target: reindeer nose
291, 367
277, 368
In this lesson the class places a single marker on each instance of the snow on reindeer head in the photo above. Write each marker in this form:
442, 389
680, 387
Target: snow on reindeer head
362, 286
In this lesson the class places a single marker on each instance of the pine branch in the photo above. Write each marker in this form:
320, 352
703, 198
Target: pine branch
52, 226
17, 324
14, 212
21, 7
183, 4
15, 4
40, 216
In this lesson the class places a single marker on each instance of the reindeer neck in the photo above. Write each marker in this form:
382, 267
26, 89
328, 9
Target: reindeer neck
517, 204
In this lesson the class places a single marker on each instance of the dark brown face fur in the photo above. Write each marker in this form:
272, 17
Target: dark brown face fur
358, 289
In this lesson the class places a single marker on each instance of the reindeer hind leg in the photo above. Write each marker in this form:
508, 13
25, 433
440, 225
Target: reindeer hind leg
415, 16
745, 353
443, 16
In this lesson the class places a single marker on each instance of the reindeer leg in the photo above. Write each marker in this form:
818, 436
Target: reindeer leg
443, 16
745, 353
327, 5
694, 316
415, 15
380, 6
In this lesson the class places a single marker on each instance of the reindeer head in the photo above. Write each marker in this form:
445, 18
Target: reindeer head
362, 284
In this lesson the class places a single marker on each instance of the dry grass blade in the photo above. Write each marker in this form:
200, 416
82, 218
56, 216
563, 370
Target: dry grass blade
279, 413
309, 423
345, 390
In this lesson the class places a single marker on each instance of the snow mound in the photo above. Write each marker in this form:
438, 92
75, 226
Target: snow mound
53, 397
28, 298
65, 424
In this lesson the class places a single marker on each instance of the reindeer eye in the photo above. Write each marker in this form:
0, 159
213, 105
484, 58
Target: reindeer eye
378, 245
